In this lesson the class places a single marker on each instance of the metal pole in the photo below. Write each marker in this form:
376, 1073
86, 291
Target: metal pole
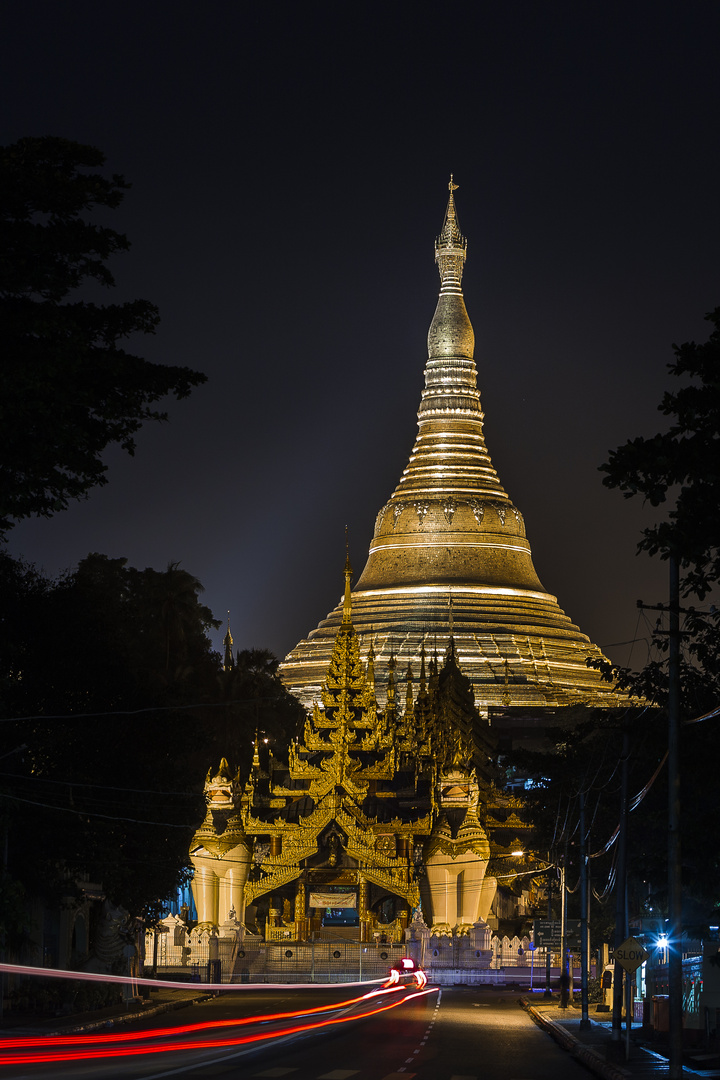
564, 985
584, 958
621, 886
674, 865
628, 1014
548, 957
2, 932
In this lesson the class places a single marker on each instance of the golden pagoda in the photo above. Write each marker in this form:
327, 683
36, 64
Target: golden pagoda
449, 556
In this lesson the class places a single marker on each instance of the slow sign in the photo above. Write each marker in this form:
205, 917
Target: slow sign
631, 954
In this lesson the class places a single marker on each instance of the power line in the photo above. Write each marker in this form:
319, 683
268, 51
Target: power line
101, 787
137, 712
88, 814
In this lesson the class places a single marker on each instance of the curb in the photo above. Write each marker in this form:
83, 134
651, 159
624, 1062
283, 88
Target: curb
129, 1017
584, 1054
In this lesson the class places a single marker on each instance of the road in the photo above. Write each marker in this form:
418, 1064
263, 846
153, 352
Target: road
448, 1034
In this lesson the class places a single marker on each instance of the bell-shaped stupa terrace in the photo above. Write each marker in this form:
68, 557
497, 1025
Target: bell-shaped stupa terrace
449, 554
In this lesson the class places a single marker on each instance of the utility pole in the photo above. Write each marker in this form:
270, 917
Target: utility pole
621, 930
548, 960
674, 864
564, 977
584, 951
674, 928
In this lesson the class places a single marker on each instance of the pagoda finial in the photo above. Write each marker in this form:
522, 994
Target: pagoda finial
450, 247
347, 599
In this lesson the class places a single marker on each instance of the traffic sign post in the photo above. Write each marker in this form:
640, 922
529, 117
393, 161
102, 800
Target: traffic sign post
532, 947
630, 955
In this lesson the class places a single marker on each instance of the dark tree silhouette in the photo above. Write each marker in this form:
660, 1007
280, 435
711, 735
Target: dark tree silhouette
680, 467
69, 388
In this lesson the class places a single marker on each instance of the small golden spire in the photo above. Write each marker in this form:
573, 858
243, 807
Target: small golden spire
391, 685
371, 669
228, 660
409, 691
506, 692
422, 668
347, 599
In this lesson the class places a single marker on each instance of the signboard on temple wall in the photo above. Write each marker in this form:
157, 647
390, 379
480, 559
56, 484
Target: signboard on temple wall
333, 899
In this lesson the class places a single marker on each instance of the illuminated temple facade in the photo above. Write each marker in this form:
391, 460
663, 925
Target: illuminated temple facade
449, 551
384, 820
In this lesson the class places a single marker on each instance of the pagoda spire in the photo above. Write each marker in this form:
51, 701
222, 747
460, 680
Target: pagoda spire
450, 248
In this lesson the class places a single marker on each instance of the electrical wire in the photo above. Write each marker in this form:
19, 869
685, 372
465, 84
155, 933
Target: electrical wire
137, 712
87, 814
102, 787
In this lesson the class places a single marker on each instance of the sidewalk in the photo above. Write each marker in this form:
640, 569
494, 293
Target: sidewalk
596, 1050
160, 1001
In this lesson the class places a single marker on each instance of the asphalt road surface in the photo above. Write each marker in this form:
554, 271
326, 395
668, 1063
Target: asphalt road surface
447, 1034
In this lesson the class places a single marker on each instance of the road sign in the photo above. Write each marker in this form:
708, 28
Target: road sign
546, 932
631, 954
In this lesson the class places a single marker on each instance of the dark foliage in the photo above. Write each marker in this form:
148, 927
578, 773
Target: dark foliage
259, 705
69, 389
681, 467
113, 706
90, 784
583, 755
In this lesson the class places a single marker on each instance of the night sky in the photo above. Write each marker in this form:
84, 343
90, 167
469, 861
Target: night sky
289, 165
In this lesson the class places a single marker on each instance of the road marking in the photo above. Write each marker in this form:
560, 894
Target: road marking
339, 1074
398, 1074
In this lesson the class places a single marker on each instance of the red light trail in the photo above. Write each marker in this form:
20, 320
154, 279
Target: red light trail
103, 1043
27, 1041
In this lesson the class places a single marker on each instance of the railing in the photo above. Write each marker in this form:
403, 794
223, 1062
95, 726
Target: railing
200, 957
